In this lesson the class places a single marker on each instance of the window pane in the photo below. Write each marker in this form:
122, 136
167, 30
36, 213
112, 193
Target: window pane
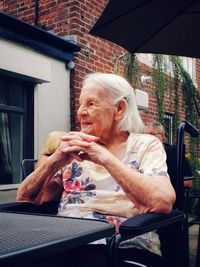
16, 124
11, 140
11, 93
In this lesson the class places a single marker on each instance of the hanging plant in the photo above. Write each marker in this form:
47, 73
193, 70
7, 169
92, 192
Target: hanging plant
132, 71
181, 80
132, 68
188, 88
175, 86
160, 84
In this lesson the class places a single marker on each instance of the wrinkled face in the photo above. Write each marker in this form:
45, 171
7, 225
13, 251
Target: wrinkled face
96, 114
152, 131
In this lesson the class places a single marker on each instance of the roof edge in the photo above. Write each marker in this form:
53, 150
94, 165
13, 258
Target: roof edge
21, 32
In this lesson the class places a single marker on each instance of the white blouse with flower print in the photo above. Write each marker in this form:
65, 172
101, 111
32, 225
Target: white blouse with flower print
91, 192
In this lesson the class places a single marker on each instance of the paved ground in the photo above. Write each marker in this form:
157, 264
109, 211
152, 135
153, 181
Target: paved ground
193, 237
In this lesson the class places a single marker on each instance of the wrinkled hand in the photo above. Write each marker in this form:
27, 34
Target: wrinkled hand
86, 147
96, 153
70, 148
65, 157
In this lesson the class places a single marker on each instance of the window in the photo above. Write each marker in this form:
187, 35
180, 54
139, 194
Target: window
168, 128
16, 124
188, 63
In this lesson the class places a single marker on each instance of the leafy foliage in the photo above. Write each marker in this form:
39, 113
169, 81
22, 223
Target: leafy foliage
160, 84
188, 88
181, 81
132, 69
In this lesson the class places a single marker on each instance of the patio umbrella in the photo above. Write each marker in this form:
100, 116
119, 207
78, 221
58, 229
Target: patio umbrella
169, 27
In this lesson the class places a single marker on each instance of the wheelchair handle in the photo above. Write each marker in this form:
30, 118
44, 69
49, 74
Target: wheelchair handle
189, 128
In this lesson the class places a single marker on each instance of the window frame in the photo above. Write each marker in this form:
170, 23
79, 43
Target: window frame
27, 111
169, 119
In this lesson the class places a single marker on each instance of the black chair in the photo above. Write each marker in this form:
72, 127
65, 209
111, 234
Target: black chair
28, 166
172, 228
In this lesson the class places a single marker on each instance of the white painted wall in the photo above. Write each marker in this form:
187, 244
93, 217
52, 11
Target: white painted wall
52, 93
25, 61
52, 106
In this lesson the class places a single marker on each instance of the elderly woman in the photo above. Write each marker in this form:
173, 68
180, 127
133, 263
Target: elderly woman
108, 170
156, 128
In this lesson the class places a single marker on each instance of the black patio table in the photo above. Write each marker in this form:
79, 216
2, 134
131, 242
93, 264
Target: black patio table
28, 237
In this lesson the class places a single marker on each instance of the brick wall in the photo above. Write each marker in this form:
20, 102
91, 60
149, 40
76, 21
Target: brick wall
198, 74
76, 17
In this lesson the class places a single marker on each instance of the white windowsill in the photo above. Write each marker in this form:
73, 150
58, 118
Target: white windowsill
8, 187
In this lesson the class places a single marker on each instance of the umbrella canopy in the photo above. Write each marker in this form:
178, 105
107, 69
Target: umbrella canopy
170, 27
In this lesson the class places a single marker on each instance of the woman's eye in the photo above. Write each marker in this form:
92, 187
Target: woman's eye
91, 103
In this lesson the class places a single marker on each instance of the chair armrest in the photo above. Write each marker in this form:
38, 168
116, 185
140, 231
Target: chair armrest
17, 206
144, 223
27, 207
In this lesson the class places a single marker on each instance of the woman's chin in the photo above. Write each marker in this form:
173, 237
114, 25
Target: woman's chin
87, 131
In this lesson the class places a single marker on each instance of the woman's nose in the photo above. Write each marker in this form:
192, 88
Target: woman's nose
82, 110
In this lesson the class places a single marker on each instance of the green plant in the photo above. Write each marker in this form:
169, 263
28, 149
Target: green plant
195, 165
188, 87
188, 90
180, 79
160, 84
131, 68
175, 87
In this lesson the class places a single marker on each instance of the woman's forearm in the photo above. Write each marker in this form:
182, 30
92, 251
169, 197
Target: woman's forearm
154, 193
37, 183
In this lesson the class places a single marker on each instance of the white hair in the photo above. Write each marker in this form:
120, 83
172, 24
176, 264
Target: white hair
118, 88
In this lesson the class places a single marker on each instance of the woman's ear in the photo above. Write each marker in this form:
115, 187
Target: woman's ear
120, 109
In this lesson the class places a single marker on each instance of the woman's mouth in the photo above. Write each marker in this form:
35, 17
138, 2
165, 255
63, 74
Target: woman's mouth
84, 124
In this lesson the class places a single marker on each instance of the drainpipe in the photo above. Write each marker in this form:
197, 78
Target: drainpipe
37, 5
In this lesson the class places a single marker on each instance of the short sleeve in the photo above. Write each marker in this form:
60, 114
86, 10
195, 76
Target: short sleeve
153, 161
152, 158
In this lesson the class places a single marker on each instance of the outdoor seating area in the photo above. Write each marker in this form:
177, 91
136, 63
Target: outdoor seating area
100, 133
19, 246
172, 228
27, 253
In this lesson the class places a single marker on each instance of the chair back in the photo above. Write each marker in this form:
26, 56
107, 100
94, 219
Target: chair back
176, 161
28, 166
176, 179
183, 127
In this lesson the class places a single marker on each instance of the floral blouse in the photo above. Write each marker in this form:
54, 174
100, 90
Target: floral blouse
91, 192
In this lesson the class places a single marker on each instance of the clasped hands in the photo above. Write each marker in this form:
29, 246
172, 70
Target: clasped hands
81, 146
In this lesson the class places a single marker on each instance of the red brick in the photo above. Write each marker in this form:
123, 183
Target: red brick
74, 17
